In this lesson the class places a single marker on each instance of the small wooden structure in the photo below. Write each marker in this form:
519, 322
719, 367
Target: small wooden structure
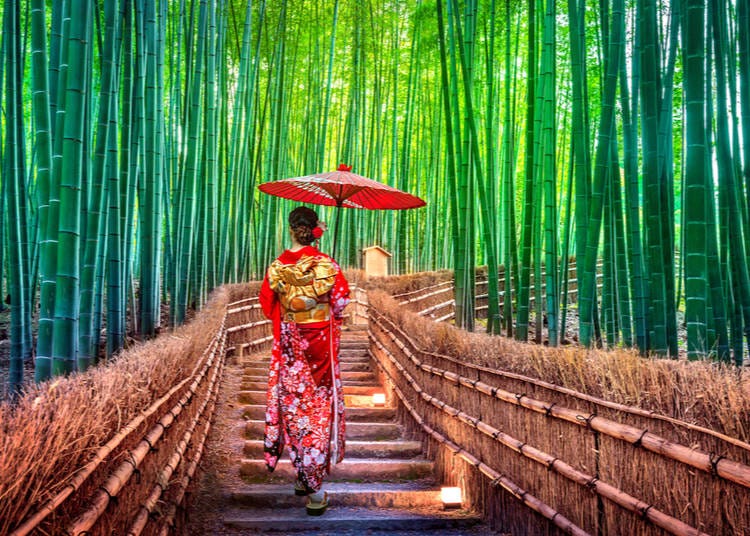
375, 261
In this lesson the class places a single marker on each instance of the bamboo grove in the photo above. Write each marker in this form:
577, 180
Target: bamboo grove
134, 134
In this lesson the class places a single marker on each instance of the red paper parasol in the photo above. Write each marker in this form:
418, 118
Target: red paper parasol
342, 188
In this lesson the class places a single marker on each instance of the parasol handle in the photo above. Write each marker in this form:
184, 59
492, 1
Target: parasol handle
336, 230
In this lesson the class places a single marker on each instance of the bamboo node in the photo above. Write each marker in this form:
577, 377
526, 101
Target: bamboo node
548, 409
151, 447
519, 396
644, 511
112, 498
496, 482
591, 484
587, 420
715, 459
551, 463
638, 442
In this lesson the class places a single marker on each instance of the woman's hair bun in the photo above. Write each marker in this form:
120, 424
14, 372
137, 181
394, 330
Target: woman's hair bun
302, 221
303, 216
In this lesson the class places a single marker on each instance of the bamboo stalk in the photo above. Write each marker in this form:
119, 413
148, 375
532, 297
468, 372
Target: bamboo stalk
238, 302
243, 308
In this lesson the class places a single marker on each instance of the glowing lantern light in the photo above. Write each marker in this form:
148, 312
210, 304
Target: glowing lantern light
451, 497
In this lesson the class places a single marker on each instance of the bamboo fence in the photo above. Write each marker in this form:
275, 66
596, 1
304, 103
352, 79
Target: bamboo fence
603, 467
137, 480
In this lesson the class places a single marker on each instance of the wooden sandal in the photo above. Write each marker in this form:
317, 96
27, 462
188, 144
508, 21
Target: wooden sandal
300, 490
317, 508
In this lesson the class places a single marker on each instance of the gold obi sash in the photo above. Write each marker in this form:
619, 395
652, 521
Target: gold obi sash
303, 288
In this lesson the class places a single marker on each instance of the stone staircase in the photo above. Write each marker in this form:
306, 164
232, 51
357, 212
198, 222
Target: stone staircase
384, 485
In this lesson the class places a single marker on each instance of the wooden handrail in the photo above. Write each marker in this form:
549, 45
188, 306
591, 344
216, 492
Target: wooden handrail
619, 497
633, 410
80, 477
497, 478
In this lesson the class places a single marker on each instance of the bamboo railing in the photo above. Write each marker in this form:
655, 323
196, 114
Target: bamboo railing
153, 460
436, 301
605, 468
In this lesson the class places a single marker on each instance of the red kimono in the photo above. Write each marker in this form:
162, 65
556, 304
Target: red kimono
304, 293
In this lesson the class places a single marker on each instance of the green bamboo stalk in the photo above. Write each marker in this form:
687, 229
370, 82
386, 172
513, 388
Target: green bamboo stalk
320, 164
522, 315
580, 128
47, 189
587, 293
550, 177
624, 309
13, 173
66, 323
652, 198
729, 192
508, 156
694, 183
743, 53
629, 109
189, 190
88, 338
150, 204
450, 149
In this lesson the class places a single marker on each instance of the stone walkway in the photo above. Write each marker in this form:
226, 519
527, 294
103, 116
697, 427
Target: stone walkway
385, 486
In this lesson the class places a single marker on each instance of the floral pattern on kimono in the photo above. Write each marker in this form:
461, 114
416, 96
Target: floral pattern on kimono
304, 400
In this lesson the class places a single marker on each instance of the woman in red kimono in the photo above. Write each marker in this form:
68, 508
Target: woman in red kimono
304, 293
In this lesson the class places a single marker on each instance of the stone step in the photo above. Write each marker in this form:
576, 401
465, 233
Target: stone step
372, 431
347, 364
257, 412
347, 354
359, 470
366, 379
367, 390
253, 378
350, 400
357, 449
361, 401
362, 366
349, 343
250, 396
339, 519
358, 376
381, 495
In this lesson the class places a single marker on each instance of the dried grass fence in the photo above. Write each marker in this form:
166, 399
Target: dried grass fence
430, 294
584, 457
113, 450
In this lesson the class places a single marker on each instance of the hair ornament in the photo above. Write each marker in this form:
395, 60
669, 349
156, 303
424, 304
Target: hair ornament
317, 232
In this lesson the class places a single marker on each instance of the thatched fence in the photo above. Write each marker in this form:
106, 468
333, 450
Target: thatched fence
430, 294
584, 464
114, 450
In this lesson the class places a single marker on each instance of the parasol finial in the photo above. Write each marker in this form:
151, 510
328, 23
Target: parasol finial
344, 167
